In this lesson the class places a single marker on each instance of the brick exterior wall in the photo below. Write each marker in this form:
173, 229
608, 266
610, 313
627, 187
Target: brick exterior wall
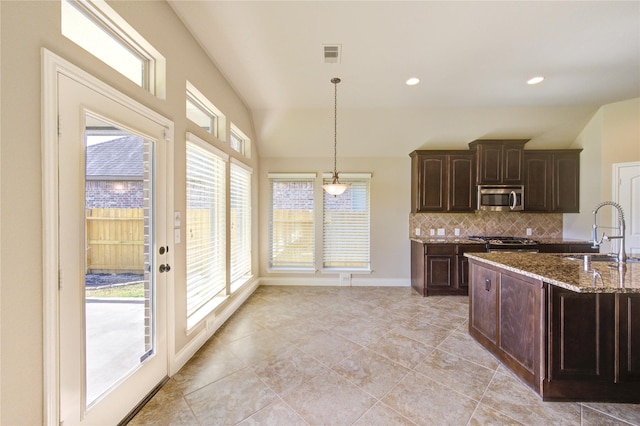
114, 194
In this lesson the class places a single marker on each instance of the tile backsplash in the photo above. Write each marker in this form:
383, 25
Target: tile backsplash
542, 225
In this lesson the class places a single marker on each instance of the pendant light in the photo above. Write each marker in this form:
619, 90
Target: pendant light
335, 187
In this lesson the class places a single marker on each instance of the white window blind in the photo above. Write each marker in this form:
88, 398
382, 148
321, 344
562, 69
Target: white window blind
205, 224
346, 230
292, 235
240, 210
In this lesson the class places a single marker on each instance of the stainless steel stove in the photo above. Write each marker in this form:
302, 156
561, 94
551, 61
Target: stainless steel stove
506, 243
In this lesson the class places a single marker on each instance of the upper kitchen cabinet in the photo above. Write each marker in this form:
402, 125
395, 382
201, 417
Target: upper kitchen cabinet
499, 162
442, 181
552, 181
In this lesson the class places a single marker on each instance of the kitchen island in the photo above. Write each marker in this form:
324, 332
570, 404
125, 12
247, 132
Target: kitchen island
570, 332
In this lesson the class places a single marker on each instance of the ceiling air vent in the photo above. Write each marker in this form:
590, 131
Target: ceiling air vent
331, 53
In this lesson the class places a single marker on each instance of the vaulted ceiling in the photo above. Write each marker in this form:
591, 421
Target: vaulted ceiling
473, 60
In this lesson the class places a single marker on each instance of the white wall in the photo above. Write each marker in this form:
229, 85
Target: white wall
611, 136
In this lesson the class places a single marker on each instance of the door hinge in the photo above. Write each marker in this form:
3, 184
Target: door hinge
59, 279
167, 135
59, 126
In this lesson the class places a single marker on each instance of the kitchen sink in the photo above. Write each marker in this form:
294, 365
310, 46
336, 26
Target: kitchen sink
599, 258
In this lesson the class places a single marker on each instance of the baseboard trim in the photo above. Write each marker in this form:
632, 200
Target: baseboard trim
335, 282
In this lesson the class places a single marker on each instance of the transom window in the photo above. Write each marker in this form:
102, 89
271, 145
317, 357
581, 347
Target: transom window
239, 142
98, 29
201, 111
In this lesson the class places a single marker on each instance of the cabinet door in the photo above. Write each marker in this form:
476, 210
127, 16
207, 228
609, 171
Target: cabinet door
512, 164
439, 271
483, 300
581, 336
629, 337
461, 183
537, 182
490, 164
417, 267
519, 321
566, 182
432, 184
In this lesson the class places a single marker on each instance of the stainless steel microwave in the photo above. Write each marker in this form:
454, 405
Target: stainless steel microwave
501, 198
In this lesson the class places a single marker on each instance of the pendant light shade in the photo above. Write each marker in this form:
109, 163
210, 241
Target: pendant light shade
335, 187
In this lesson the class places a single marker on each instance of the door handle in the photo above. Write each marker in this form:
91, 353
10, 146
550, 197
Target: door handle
164, 249
487, 284
164, 268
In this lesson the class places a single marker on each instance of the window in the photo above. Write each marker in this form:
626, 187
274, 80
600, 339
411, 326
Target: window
345, 230
205, 227
240, 212
291, 233
98, 29
202, 112
239, 141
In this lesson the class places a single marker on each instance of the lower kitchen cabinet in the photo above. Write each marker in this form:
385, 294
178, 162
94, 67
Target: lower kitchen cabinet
567, 248
441, 269
566, 346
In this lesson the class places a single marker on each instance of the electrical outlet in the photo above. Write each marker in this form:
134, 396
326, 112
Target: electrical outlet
432, 232
456, 231
528, 231
345, 279
440, 231
417, 232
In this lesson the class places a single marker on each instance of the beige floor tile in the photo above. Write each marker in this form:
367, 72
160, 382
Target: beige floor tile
629, 413
463, 345
231, 399
329, 400
400, 349
457, 373
276, 414
371, 372
382, 415
511, 397
255, 347
426, 402
211, 363
486, 416
422, 331
175, 412
287, 370
328, 348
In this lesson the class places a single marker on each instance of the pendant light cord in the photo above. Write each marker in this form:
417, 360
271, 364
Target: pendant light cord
335, 82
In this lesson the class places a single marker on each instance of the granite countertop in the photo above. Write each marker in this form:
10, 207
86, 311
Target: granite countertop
561, 271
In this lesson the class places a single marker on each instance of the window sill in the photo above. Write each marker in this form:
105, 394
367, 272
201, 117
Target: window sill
291, 271
201, 314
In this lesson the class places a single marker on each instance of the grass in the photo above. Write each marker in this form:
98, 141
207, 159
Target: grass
131, 290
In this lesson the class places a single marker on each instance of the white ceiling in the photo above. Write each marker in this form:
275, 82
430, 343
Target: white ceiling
473, 59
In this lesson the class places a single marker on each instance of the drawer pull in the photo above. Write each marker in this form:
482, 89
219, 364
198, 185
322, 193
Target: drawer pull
487, 284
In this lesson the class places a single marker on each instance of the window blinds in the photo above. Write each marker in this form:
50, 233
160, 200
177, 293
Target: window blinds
205, 225
346, 228
292, 235
240, 205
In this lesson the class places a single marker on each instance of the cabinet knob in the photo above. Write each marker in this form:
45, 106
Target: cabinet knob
487, 284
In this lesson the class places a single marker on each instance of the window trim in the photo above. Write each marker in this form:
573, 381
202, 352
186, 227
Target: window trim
109, 21
208, 108
246, 141
241, 280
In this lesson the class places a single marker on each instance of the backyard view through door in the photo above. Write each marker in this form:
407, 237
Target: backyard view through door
112, 296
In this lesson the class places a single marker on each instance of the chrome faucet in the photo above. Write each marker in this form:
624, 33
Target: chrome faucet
622, 255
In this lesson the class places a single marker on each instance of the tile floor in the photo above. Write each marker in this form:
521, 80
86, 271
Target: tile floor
361, 356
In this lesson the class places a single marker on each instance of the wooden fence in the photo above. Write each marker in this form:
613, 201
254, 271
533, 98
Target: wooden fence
115, 240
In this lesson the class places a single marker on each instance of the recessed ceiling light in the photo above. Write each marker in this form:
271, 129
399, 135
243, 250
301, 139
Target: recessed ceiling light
535, 80
412, 81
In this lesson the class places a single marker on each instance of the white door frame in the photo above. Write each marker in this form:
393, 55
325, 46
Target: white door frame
615, 185
52, 66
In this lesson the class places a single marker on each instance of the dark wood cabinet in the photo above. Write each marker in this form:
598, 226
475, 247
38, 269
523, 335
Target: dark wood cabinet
552, 181
499, 162
440, 268
566, 346
442, 181
567, 248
